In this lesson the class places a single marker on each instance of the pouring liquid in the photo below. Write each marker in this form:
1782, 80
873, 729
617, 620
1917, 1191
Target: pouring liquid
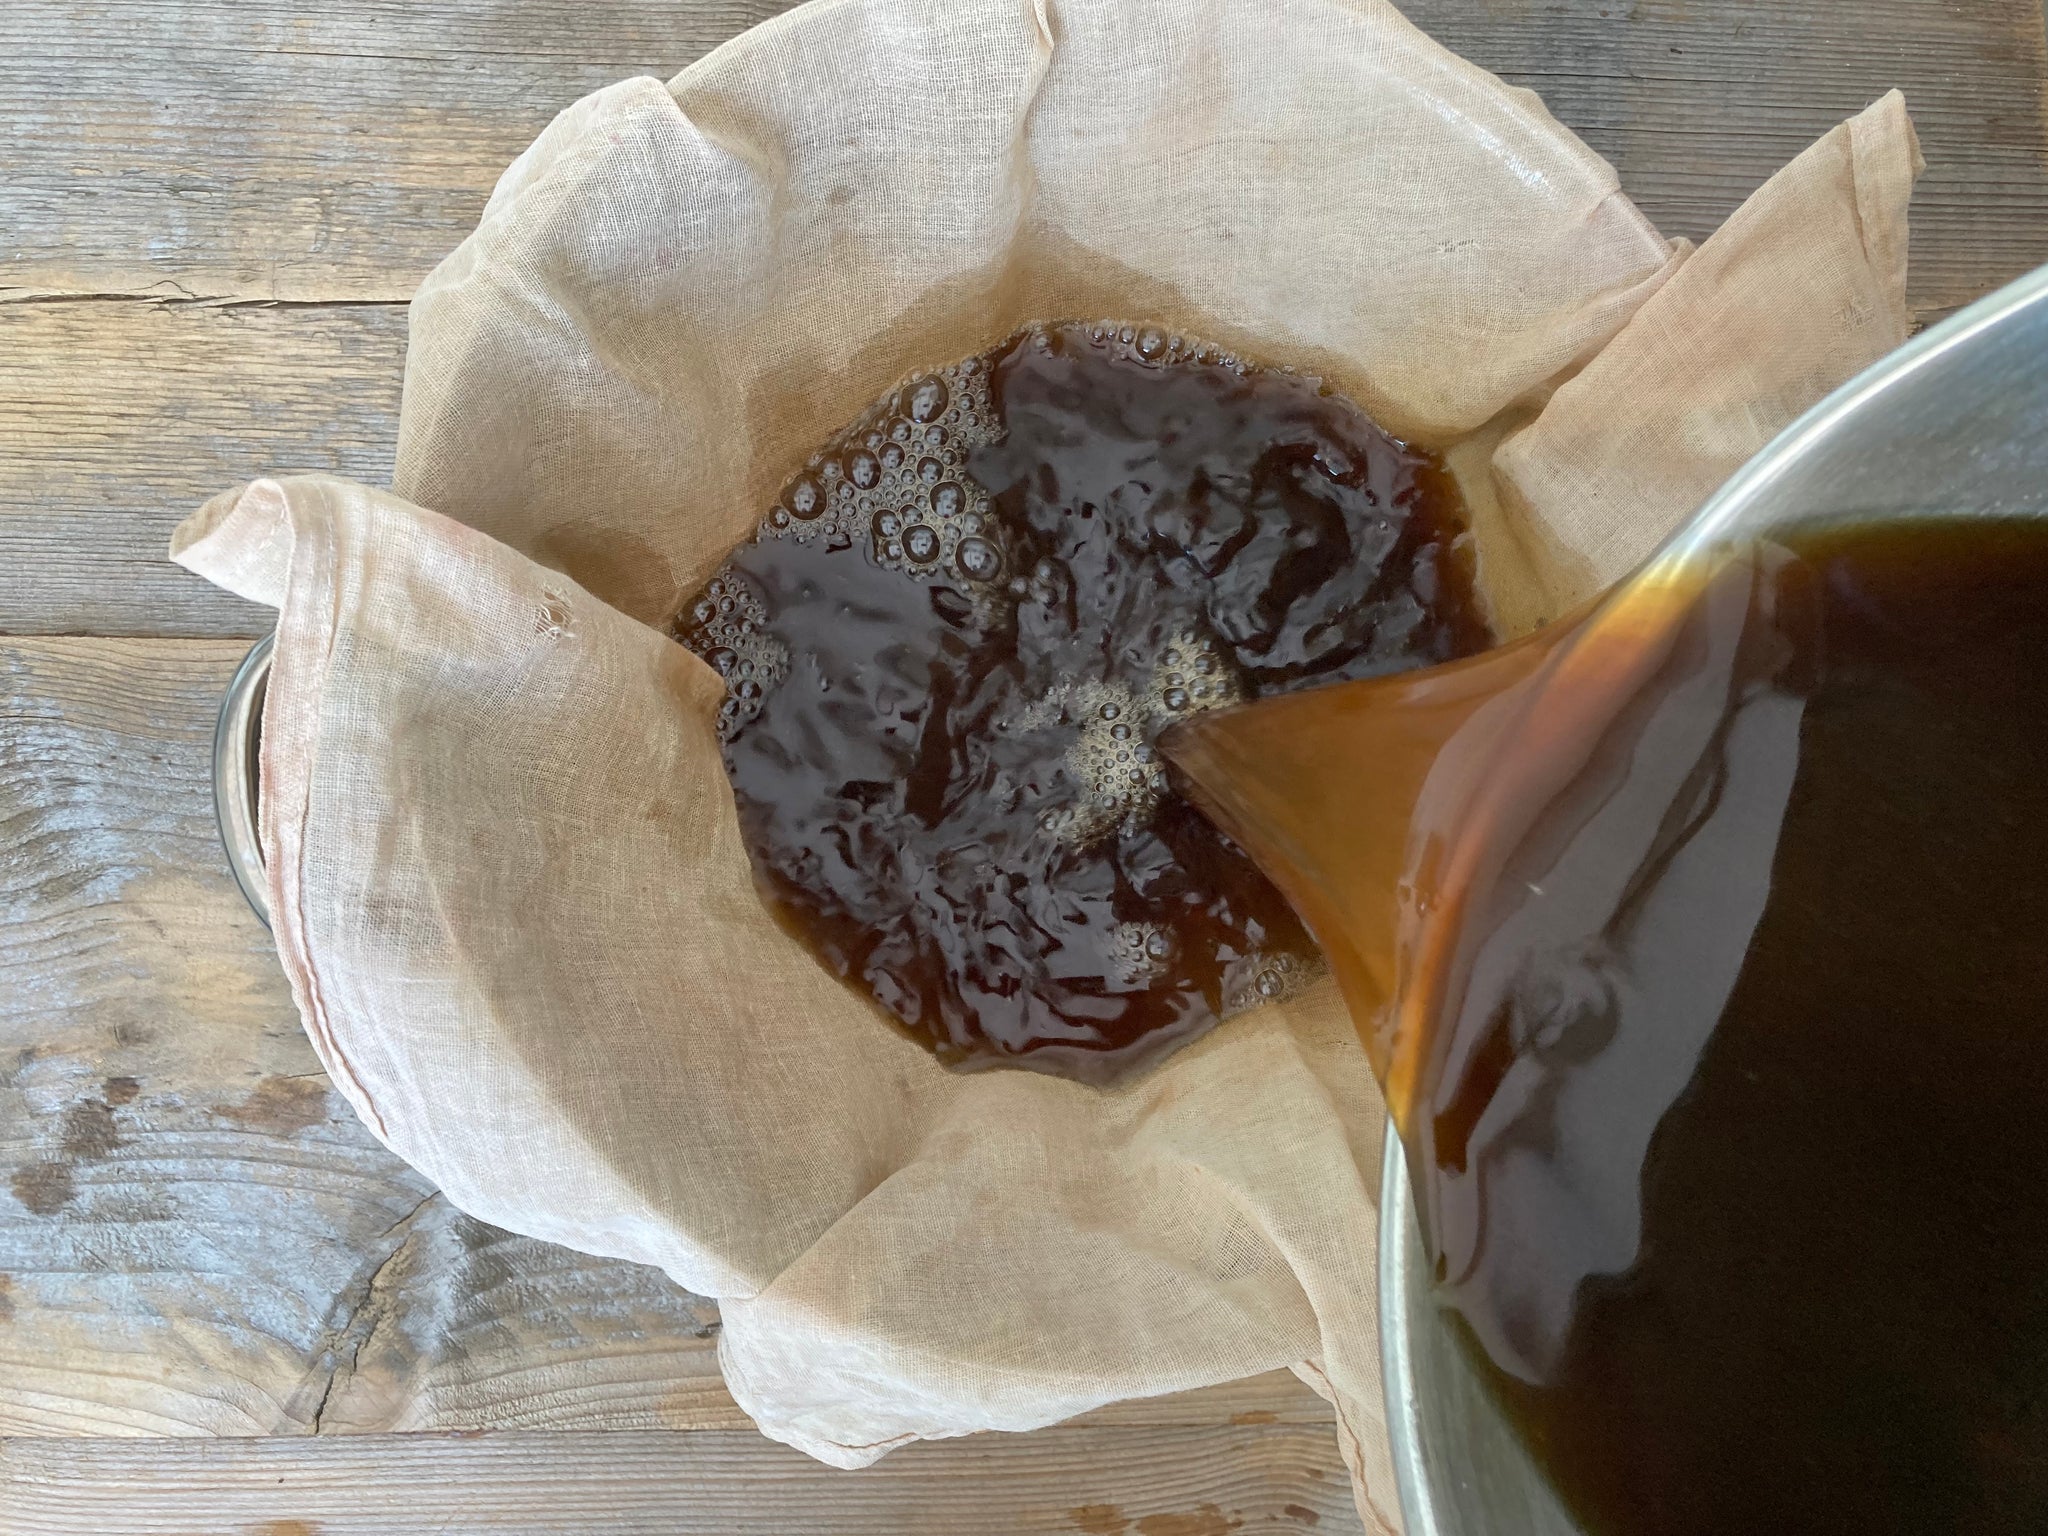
1701, 944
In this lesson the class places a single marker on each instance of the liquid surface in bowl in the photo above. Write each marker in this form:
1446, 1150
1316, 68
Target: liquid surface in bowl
1723, 1056
957, 635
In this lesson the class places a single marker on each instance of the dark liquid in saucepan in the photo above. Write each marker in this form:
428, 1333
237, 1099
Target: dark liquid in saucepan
1729, 1119
958, 634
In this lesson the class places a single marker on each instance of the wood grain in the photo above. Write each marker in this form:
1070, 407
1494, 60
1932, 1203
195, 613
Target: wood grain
1697, 102
196, 1234
1242, 1481
270, 149
118, 419
279, 150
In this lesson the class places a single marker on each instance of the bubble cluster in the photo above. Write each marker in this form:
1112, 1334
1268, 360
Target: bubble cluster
1194, 672
1113, 756
896, 482
726, 625
1144, 953
1260, 978
1117, 773
1162, 348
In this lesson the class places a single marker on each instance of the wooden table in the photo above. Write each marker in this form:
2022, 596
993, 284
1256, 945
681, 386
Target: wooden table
223, 1307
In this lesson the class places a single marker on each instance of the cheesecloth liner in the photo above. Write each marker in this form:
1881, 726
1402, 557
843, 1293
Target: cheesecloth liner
509, 887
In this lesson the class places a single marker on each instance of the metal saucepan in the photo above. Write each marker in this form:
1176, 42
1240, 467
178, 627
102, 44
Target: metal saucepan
1953, 424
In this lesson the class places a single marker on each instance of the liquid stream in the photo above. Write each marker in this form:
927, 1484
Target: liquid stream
1701, 944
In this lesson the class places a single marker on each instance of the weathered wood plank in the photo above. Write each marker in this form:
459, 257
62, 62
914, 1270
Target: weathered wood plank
1697, 102
196, 1234
265, 149
117, 419
283, 150
1097, 1482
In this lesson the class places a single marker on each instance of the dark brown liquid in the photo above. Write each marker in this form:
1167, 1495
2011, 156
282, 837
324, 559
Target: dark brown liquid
961, 629
1722, 1046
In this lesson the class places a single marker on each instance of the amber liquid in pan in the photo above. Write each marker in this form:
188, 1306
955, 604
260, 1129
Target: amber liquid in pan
1705, 960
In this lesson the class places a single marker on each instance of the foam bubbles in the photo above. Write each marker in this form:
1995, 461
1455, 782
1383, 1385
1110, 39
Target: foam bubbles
1257, 979
726, 627
1143, 953
925, 399
1194, 672
1111, 731
894, 483
978, 559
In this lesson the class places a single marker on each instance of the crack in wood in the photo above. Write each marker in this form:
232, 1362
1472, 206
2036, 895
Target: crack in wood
363, 1306
184, 298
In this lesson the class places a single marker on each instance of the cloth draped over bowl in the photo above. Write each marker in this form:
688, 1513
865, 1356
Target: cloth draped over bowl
508, 884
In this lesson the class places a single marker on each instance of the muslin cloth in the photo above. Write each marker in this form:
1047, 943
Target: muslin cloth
508, 884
